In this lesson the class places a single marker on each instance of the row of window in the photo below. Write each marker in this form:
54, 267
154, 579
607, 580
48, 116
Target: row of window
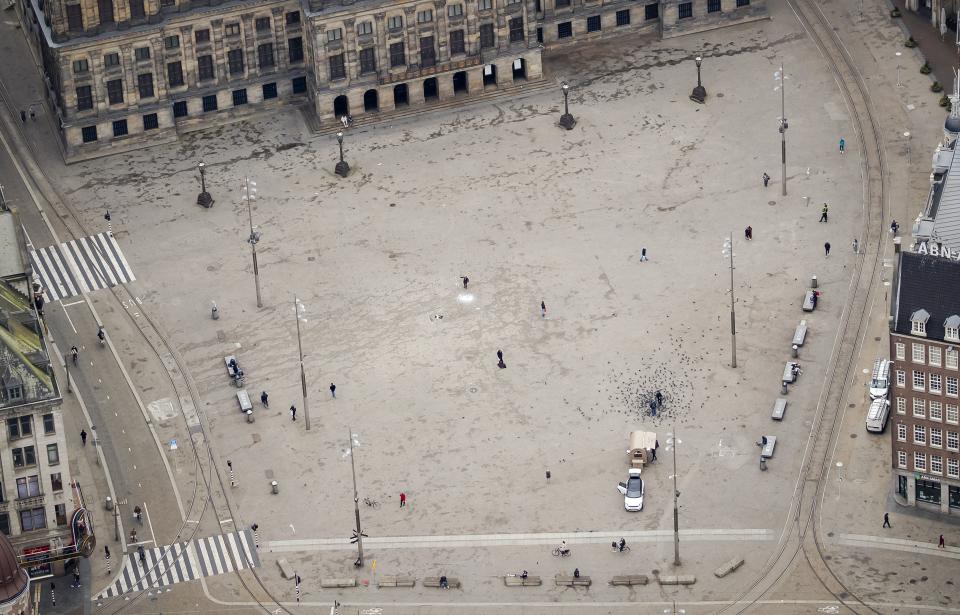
951, 326
151, 121
22, 426
29, 486
105, 11
935, 407
931, 355
26, 456
936, 463
936, 436
205, 72
931, 383
34, 519
685, 9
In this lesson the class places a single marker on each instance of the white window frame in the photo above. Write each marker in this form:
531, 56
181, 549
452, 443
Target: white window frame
919, 461
953, 467
902, 432
334, 35
953, 359
936, 437
425, 16
935, 410
454, 10
902, 459
953, 441
951, 333
934, 356
936, 464
919, 380
901, 378
918, 327
919, 434
918, 353
952, 413
952, 384
936, 382
365, 28
919, 407
900, 351
901, 405
484, 5
395, 22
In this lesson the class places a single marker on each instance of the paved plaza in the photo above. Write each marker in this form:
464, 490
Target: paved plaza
529, 212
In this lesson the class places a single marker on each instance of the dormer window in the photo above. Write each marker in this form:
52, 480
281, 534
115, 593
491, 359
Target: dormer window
951, 329
918, 322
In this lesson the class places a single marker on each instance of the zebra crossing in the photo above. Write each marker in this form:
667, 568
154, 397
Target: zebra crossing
78, 266
184, 561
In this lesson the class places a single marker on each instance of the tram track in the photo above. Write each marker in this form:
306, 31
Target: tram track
208, 476
801, 538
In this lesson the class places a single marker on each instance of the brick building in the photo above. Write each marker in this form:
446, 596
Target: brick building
126, 73
924, 347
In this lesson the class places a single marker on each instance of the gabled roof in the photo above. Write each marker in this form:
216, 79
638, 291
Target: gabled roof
925, 283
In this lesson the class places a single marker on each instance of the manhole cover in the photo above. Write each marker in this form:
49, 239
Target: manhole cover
771, 202
473, 389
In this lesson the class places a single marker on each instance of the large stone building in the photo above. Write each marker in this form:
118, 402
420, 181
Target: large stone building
125, 73
41, 508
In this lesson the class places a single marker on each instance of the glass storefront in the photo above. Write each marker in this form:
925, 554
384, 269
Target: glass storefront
902, 485
954, 496
928, 491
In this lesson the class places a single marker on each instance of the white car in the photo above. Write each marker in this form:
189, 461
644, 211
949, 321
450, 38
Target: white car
632, 491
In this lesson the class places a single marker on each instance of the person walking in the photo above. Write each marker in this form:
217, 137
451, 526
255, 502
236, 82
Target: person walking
823, 213
76, 577
766, 179
748, 233
333, 390
403, 499
856, 246
826, 249
941, 545
886, 519
643, 254
543, 309
74, 353
264, 399
33, 114
83, 436
843, 145
293, 412
465, 279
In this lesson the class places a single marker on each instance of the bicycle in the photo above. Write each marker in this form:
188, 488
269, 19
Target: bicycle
371, 503
616, 548
558, 552
74, 353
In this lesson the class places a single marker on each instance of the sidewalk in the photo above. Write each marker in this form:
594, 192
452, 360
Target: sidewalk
941, 54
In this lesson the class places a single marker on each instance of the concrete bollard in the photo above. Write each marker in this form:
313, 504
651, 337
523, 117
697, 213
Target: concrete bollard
215, 312
274, 486
250, 418
794, 351
763, 464
813, 282
783, 388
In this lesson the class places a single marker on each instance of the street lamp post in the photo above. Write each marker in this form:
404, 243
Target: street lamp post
672, 442
566, 120
250, 194
783, 128
899, 83
204, 197
342, 168
66, 364
699, 94
728, 253
906, 135
303, 375
358, 533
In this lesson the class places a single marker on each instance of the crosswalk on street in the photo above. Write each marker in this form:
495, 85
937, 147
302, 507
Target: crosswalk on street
83, 265
184, 561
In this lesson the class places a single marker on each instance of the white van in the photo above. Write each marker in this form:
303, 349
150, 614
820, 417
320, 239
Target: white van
880, 380
877, 415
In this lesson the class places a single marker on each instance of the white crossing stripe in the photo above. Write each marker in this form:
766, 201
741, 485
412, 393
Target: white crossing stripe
83, 265
184, 561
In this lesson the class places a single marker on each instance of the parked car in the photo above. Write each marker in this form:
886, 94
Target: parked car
877, 415
632, 491
880, 380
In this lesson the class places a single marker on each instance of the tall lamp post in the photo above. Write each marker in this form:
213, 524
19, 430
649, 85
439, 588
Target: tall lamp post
342, 168
297, 310
728, 253
782, 78
358, 532
699, 94
566, 120
249, 195
204, 197
899, 83
672, 443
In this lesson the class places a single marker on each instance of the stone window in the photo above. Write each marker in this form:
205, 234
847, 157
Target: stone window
486, 5
151, 121
565, 29
293, 18
28, 486
74, 18
84, 98
743, 3
19, 427
337, 70
115, 91
395, 22
111, 60
145, 85
295, 49
136, 9
425, 16
334, 35
210, 103
685, 10
89, 134
175, 74
560, 4
713, 6
205, 67
456, 42
593, 23
265, 55
516, 30
262, 24
455, 10
141, 54
171, 42
651, 11
81, 66
397, 55
105, 11
202, 36
486, 36
368, 60
235, 61
26, 456
364, 28
623, 17
231, 29
180, 108
428, 53
60, 510
56, 481
239, 97
49, 424
298, 85
53, 453
33, 519
269, 91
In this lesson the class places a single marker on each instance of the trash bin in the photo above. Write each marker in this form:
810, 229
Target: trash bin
108, 503
274, 486
215, 312
250, 418
794, 351
763, 464
813, 282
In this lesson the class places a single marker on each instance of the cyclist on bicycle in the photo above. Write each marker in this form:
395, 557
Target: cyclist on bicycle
622, 544
74, 353
101, 335
564, 550
138, 513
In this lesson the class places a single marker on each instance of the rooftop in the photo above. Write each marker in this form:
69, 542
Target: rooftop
925, 285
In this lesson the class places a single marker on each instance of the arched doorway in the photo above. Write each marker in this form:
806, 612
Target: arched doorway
519, 69
430, 90
400, 95
460, 82
371, 101
490, 74
341, 106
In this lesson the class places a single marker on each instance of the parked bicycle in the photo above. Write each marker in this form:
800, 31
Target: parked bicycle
621, 547
371, 503
562, 552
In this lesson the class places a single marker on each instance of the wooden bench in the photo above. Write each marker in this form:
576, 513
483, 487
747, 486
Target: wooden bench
517, 581
779, 409
452, 582
766, 452
809, 301
728, 567
677, 579
395, 581
334, 583
800, 335
286, 570
571, 581
630, 579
